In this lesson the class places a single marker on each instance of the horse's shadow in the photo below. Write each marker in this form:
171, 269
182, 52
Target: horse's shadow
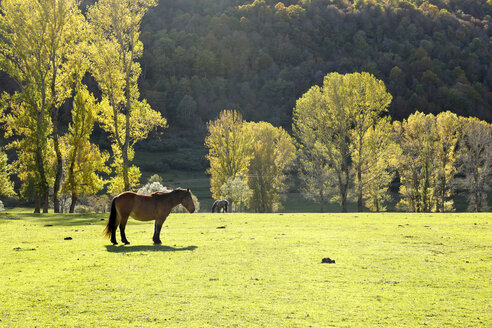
147, 248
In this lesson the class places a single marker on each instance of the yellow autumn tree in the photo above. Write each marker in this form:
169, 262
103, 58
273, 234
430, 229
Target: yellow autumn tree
272, 151
379, 166
116, 49
38, 40
330, 124
84, 159
475, 162
6, 185
228, 149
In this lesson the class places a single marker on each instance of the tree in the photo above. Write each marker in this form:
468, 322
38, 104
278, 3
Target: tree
237, 192
116, 49
379, 166
447, 132
84, 159
331, 122
35, 153
315, 175
228, 149
416, 138
475, 161
367, 101
6, 185
272, 151
39, 39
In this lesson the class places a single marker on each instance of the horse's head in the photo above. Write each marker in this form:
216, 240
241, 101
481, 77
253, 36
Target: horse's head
187, 201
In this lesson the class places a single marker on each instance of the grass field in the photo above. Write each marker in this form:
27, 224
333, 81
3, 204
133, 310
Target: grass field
248, 270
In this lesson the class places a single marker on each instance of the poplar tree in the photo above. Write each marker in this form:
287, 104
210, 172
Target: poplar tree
84, 159
6, 185
447, 134
228, 149
39, 40
331, 123
367, 101
416, 137
380, 165
272, 151
475, 162
116, 27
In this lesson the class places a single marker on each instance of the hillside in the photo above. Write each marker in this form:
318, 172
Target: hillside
259, 57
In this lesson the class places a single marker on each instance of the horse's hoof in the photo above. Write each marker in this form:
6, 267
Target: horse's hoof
157, 242
115, 243
127, 243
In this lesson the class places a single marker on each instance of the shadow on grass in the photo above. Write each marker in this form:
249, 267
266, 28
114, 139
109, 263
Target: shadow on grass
147, 248
58, 219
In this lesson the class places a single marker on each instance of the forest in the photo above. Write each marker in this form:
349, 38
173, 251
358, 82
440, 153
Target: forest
258, 57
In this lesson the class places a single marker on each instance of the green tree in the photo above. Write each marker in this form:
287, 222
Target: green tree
35, 153
315, 175
39, 40
367, 100
475, 161
116, 23
6, 185
322, 126
379, 166
272, 151
228, 149
416, 138
84, 159
331, 122
447, 132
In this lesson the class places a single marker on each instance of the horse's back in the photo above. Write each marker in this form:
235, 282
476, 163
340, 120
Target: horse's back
138, 206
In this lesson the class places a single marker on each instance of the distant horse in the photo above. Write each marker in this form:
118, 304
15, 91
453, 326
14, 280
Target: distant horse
145, 208
220, 204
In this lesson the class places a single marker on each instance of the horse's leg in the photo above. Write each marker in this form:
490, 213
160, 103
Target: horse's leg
113, 232
123, 222
157, 231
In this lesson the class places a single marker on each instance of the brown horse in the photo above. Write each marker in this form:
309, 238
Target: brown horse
145, 208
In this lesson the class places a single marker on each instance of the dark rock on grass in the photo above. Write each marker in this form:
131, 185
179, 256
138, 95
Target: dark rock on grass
67, 238
327, 260
222, 227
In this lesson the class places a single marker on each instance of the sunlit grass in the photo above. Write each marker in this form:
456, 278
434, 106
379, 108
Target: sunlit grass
248, 270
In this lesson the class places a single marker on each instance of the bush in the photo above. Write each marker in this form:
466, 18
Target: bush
82, 209
151, 188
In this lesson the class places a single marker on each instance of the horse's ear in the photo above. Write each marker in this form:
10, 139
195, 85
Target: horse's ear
187, 189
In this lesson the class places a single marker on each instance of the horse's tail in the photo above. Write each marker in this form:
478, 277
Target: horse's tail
112, 225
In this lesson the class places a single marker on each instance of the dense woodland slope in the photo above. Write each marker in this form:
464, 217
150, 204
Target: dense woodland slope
260, 56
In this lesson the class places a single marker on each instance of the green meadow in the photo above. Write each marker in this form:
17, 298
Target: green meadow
248, 270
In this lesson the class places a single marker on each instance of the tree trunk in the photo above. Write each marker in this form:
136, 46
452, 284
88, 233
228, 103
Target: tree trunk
59, 170
360, 204
46, 201
42, 176
126, 179
72, 204
37, 204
